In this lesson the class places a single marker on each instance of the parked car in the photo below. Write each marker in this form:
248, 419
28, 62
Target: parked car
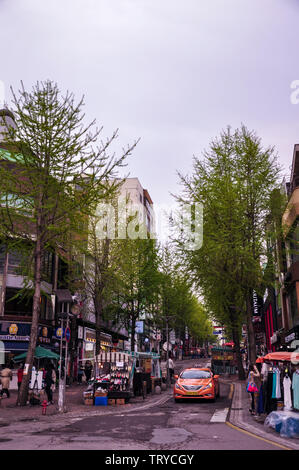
196, 383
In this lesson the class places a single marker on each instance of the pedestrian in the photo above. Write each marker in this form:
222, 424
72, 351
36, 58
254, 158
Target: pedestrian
88, 370
48, 384
80, 374
171, 367
53, 386
6, 377
252, 386
20, 375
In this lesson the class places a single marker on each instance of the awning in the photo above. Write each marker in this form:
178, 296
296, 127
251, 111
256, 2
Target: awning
282, 356
63, 296
40, 353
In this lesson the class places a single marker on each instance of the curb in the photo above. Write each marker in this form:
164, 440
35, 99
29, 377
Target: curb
235, 419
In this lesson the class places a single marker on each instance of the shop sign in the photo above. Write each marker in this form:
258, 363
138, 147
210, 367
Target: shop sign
80, 332
172, 337
139, 327
59, 332
14, 338
13, 329
290, 337
44, 335
90, 335
127, 346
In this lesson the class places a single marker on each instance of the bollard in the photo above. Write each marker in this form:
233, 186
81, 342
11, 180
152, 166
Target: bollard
44, 407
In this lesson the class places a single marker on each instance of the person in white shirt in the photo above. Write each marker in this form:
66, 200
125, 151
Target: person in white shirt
171, 367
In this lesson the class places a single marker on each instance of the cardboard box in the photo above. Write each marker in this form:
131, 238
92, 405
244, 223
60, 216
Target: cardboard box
88, 401
111, 401
120, 401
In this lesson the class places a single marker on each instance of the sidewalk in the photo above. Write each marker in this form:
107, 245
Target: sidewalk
240, 416
10, 413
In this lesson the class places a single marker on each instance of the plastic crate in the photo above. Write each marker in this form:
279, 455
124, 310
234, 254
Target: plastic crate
101, 401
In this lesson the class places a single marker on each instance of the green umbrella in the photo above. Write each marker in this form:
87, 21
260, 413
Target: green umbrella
40, 353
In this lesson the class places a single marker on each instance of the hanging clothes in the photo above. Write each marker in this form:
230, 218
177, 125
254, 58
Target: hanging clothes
287, 384
273, 384
270, 403
295, 387
276, 391
260, 406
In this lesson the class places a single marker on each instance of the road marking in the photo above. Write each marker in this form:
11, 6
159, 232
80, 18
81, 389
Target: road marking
257, 437
219, 416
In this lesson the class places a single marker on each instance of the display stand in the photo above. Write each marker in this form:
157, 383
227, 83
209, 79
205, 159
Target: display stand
223, 361
114, 375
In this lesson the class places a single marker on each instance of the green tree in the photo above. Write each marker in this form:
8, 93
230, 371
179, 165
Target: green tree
233, 181
137, 280
54, 178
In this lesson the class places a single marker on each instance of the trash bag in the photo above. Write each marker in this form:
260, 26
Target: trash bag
286, 423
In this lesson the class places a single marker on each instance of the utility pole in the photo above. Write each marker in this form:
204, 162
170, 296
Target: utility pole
167, 354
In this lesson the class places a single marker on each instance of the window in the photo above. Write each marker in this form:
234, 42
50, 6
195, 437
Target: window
19, 305
195, 374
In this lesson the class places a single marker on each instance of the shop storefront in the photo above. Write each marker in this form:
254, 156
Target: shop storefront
15, 336
278, 397
87, 343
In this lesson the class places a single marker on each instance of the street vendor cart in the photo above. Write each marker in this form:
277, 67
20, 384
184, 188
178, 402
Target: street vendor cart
223, 360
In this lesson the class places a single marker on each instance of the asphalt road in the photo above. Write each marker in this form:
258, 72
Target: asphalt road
165, 425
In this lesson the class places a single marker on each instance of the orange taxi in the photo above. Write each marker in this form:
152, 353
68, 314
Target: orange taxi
196, 383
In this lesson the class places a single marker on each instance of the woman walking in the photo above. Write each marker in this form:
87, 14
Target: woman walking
252, 387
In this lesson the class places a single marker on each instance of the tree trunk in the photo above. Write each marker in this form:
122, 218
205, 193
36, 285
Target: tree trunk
133, 326
23, 393
236, 340
99, 316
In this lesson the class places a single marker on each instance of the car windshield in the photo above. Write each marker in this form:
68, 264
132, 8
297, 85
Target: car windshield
195, 374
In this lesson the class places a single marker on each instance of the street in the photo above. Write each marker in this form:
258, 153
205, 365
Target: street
158, 426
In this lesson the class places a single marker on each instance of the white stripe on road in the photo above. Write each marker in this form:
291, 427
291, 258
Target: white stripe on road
219, 416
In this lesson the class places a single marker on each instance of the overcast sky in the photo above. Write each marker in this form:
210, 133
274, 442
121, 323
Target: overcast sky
172, 72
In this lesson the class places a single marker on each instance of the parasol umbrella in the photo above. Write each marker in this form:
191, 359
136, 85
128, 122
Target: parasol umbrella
283, 356
39, 353
259, 360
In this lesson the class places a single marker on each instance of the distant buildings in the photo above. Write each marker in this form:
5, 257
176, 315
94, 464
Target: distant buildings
140, 198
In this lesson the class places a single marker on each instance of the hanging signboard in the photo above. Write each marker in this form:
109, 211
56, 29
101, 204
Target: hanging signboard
139, 327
